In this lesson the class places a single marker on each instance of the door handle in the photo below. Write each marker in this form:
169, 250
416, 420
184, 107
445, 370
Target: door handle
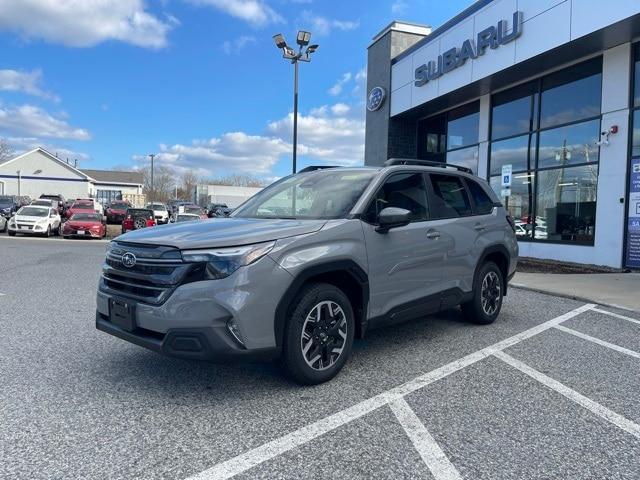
433, 234
479, 227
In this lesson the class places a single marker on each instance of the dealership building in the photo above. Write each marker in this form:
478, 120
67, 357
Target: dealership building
541, 98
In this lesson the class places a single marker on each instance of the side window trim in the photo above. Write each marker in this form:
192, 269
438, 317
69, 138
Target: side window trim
425, 184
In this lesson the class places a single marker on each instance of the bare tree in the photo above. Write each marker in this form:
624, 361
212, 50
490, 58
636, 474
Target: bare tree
237, 180
6, 152
189, 183
164, 181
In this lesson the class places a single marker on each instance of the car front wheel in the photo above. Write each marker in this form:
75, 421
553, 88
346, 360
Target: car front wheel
319, 334
488, 294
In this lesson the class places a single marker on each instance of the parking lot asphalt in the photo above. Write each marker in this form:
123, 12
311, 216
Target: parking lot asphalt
548, 391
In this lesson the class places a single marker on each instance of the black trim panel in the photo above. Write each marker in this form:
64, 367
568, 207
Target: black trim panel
347, 266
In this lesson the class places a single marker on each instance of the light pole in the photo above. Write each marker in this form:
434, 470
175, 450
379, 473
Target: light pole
290, 54
151, 156
19, 172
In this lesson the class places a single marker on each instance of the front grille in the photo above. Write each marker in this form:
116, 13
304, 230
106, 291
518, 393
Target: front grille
157, 272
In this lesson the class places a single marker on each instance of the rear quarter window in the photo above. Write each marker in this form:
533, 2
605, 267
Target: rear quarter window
450, 196
483, 205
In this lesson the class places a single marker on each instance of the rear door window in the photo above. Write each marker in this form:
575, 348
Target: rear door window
450, 198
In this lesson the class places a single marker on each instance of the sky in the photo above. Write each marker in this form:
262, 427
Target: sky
198, 82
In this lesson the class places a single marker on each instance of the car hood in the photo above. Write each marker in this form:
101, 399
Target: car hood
28, 218
222, 232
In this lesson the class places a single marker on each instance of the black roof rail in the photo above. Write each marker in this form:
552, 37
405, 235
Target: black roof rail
425, 163
313, 168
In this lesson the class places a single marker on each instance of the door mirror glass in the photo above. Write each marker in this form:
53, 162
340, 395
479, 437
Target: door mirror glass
393, 217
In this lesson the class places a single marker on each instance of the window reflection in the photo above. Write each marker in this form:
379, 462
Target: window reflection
565, 99
637, 82
636, 132
566, 204
518, 200
573, 144
466, 157
463, 126
519, 152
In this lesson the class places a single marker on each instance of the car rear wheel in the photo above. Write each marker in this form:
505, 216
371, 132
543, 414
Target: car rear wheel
319, 334
139, 223
12, 234
488, 294
48, 232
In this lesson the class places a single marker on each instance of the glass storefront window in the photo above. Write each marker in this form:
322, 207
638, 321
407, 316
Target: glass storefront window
573, 144
514, 111
463, 126
519, 152
518, 200
636, 96
566, 204
572, 94
466, 157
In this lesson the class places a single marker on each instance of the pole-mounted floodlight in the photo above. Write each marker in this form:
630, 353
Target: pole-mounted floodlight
303, 38
280, 41
288, 53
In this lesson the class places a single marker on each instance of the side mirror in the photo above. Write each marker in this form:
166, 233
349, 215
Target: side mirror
392, 217
13, 214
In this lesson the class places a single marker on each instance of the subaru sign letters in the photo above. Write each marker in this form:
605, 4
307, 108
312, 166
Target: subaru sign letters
492, 37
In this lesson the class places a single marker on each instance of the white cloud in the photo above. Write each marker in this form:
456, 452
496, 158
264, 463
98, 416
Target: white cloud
340, 109
82, 23
26, 82
255, 12
336, 139
337, 88
24, 144
29, 120
322, 26
399, 7
231, 47
235, 151
326, 135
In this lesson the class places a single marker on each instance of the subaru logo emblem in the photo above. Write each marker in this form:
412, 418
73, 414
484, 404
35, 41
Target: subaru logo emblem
129, 260
376, 98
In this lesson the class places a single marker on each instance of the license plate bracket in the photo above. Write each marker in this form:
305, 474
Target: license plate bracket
122, 313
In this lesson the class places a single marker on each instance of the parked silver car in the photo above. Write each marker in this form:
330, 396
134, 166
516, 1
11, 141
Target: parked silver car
310, 263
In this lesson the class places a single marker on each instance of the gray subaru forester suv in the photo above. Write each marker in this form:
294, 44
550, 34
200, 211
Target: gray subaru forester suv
310, 263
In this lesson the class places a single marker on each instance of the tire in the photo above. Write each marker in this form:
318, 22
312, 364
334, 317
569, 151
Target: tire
48, 232
488, 294
58, 230
334, 331
12, 234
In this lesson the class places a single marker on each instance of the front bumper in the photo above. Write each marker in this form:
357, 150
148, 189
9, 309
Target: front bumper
212, 344
203, 310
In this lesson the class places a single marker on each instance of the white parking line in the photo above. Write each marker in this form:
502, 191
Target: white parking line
600, 410
615, 315
278, 446
612, 346
436, 460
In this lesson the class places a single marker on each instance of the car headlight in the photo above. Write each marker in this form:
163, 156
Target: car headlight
222, 262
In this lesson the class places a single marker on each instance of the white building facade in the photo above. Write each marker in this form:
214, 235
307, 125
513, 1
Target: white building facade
39, 172
539, 97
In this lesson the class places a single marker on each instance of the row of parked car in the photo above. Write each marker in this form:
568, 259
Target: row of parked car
88, 218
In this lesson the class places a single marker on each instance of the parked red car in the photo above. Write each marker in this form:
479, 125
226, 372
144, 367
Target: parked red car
80, 207
117, 211
137, 218
85, 225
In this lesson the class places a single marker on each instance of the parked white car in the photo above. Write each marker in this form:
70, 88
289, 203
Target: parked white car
35, 220
160, 212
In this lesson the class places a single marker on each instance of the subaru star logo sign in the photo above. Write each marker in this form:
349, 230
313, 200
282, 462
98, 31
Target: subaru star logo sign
376, 98
129, 260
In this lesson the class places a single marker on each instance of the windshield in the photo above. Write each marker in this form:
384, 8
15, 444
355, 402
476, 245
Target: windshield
6, 200
82, 206
195, 210
86, 216
322, 194
33, 212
